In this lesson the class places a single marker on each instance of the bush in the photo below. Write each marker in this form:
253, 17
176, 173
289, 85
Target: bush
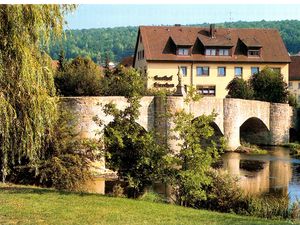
151, 196
123, 81
239, 88
269, 86
292, 100
223, 194
67, 163
80, 77
118, 190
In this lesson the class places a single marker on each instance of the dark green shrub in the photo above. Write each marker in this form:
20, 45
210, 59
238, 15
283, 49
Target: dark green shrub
239, 88
124, 81
80, 77
269, 86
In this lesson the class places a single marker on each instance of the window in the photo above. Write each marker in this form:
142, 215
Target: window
140, 54
183, 51
238, 71
290, 84
253, 52
203, 71
299, 85
183, 70
206, 90
254, 70
276, 70
210, 51
222, 71
224, 52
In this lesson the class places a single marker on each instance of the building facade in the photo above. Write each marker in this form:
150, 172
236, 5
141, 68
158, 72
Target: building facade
294, 76
209, 58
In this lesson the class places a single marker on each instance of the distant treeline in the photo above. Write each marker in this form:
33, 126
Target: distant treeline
119, 42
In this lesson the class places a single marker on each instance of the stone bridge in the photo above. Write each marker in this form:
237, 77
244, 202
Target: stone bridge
253, 121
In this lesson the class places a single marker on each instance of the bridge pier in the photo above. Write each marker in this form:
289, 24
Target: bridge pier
232, 123
280, 122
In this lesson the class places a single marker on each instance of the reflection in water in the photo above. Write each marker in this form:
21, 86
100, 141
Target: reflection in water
258, 174
273, 172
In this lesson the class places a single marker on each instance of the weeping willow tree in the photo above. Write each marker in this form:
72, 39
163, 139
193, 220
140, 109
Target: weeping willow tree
27, 93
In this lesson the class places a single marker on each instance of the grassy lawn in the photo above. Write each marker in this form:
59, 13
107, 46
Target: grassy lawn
30, 205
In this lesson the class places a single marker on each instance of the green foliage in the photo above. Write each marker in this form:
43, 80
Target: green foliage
27, 105
269, 207
239, 88
98, 44
258, 87
120, 41
292, 100
66, 164
269, 86
151, 196
294, 149
124, 82
198, 151
223, 194
130, 150
79, 77
68, 159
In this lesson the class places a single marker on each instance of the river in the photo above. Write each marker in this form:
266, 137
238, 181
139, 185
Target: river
258, 174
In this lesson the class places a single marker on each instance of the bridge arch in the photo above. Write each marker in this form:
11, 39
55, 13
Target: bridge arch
254, 131
217, 132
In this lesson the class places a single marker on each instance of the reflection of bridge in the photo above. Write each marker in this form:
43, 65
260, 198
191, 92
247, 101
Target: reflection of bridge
273, 176
255, 121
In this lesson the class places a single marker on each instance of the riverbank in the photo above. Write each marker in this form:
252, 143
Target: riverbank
31, 205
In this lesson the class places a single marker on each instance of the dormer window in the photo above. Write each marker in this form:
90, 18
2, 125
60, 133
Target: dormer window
254, 53
217, 51
182, 51
210, 51
223, 52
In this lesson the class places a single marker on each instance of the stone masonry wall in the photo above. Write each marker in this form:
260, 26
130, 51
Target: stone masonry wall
231, 114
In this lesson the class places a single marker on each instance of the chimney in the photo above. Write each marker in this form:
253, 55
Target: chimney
212, 30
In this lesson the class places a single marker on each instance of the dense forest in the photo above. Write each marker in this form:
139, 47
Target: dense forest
119, 42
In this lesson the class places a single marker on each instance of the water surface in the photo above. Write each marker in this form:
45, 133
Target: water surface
275, 172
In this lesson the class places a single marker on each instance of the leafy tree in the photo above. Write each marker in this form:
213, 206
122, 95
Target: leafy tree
125, 82
27, 106
194, 160
269, 86
130, 150
239, 88
80, 77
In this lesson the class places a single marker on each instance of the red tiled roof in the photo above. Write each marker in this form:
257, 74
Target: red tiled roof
156, 39
127, 61
294, 70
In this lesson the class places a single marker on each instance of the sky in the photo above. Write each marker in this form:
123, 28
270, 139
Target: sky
96, 16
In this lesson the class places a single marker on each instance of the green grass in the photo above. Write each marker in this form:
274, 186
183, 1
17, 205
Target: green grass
30, 205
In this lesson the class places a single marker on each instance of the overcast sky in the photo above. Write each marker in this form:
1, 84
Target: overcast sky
95, 16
